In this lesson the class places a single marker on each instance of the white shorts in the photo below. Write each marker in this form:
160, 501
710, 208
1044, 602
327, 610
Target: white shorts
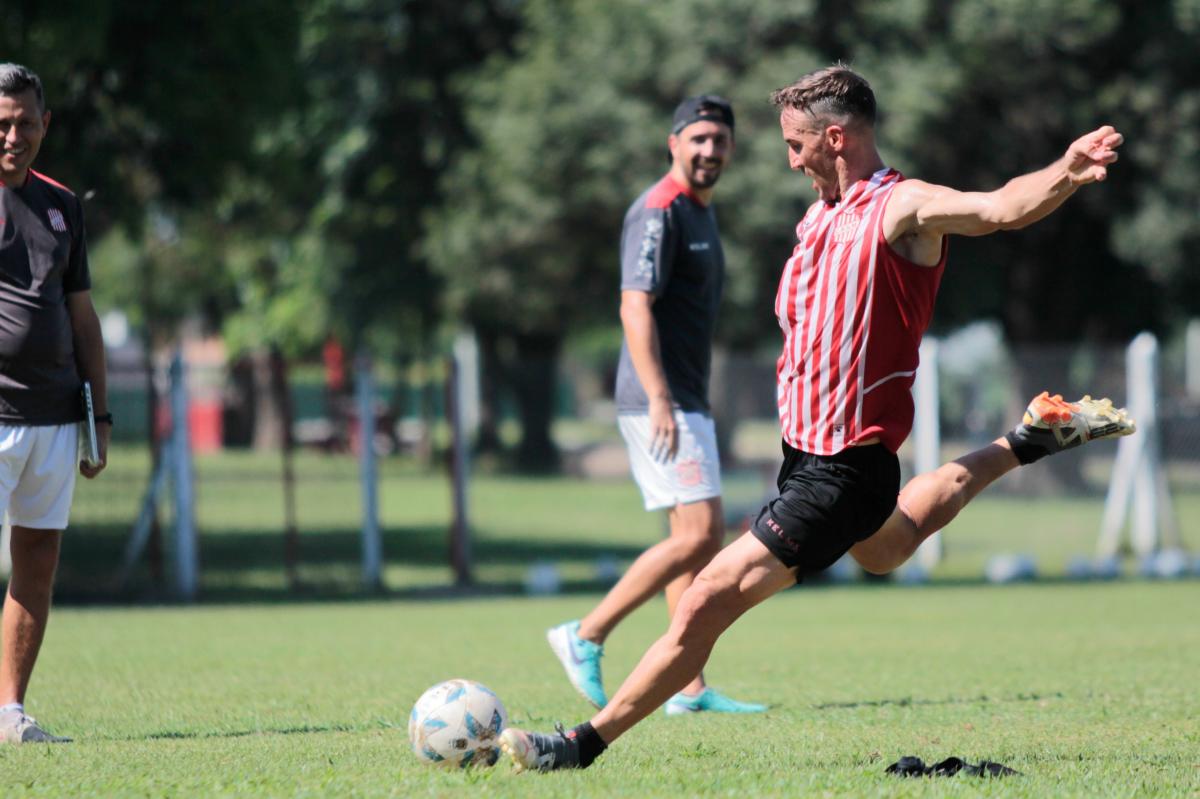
694, 474
37, 474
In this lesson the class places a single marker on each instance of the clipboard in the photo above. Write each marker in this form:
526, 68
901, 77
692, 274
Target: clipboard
89, 448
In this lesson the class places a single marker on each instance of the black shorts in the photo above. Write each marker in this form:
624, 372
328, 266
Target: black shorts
827, 503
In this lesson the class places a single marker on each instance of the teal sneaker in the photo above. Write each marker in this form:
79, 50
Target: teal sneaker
581, 659
708, 701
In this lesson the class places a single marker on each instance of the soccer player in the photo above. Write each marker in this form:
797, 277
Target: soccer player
853, 302
49, 342
672, 270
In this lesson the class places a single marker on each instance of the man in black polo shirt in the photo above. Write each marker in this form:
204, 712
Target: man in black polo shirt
672, 272
50, 342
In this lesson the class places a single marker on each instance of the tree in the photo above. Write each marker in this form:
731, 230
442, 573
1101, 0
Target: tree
972, 93
566, 126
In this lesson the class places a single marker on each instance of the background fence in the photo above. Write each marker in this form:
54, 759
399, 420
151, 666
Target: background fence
584, 525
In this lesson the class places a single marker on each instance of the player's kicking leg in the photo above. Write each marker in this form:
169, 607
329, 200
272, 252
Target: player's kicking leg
930, 501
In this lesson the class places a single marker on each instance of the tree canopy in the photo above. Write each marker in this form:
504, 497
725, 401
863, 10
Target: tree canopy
390, 171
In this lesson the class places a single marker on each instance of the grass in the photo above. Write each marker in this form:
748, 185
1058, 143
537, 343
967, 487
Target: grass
1088, 689
262, 690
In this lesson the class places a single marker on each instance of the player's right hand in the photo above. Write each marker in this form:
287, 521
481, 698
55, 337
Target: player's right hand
664, 438
1089, 156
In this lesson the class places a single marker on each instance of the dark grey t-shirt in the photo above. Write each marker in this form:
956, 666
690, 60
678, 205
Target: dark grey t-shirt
43, 257
670, 248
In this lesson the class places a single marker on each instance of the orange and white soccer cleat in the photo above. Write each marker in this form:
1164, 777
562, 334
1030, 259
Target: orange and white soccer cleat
1051, 424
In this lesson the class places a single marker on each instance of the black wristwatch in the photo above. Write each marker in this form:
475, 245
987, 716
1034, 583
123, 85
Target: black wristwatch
103, 418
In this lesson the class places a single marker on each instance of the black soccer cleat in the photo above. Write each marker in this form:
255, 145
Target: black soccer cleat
538, 752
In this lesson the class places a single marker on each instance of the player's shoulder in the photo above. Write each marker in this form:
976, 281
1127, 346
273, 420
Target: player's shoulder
662, 195
917, 189
56, 194
51, 185
653, 203
910, 195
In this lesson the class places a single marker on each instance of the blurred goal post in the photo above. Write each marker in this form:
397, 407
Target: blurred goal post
1138, 488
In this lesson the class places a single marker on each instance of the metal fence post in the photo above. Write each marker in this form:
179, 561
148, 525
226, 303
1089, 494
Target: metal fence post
460, 530
186, 570
372, 545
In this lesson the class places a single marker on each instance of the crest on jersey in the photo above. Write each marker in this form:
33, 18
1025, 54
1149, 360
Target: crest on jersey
56, 220
846, 226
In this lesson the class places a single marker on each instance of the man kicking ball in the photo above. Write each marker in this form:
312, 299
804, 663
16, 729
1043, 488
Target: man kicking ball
854, 300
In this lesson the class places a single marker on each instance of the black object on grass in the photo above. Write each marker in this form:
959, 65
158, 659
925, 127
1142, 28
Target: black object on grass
909, 766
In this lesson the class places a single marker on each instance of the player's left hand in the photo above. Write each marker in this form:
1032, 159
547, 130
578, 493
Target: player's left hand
103, 433
1089, 156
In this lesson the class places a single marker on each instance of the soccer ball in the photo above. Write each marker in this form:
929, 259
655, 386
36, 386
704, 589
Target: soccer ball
457, 723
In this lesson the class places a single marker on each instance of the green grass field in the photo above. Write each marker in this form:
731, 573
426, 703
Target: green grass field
264, 689
1090, 690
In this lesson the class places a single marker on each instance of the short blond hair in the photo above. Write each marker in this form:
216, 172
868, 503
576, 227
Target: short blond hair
832, 92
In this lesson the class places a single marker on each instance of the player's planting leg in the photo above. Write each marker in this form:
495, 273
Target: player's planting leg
930, 501
740, 577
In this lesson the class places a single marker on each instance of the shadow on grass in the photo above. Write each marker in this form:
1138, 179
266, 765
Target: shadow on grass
908, 701
302, 729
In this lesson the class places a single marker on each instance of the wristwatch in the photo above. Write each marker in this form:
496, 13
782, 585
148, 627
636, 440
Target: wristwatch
103, 418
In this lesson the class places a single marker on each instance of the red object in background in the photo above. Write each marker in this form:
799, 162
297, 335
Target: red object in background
335, 365
205, 425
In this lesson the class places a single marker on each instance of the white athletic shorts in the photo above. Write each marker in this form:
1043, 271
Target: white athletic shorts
694, 474
37, 474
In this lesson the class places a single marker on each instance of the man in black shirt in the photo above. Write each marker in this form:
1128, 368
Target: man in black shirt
672, 274
50, 342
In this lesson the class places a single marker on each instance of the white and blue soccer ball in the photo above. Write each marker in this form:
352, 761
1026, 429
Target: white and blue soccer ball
457, 723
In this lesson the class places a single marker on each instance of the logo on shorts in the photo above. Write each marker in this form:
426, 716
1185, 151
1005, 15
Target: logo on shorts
690, 473
775, 528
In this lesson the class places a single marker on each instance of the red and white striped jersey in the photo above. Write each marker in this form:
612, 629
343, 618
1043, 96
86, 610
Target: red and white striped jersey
853, 312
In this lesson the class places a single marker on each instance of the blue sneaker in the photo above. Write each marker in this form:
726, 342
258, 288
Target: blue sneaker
581, 659
708, 701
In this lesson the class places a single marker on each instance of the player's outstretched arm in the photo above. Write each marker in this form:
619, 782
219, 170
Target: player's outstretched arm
931, 210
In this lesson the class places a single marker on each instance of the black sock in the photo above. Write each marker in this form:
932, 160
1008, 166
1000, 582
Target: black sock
590, 743
1026, 451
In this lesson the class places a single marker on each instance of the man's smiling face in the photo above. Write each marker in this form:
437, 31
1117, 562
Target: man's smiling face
23, 125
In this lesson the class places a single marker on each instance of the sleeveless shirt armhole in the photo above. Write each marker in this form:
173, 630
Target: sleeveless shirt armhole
900, 259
